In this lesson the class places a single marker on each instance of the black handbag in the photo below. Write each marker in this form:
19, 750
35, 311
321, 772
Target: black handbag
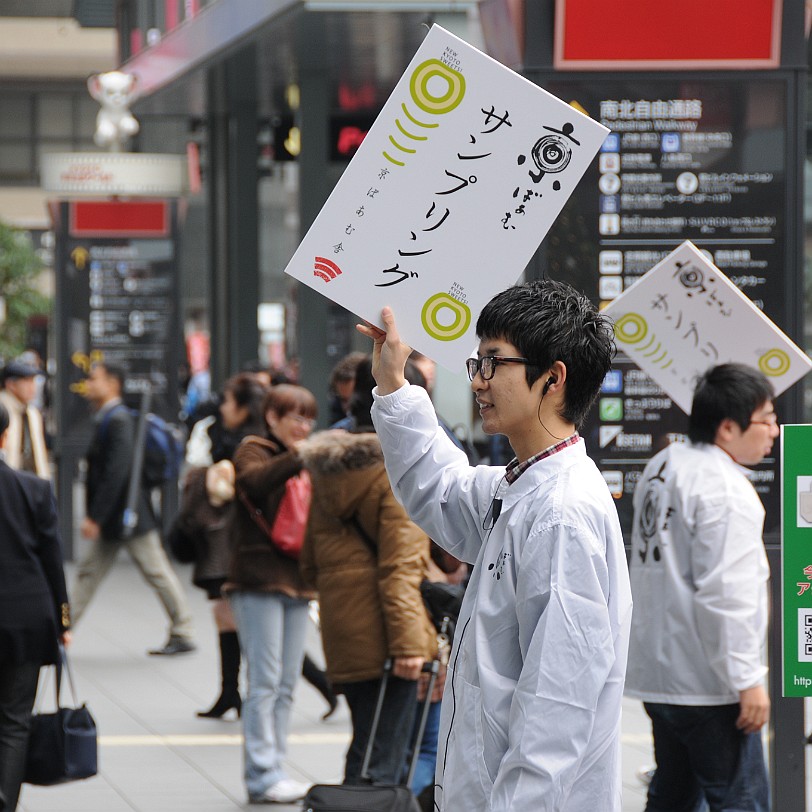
61, 745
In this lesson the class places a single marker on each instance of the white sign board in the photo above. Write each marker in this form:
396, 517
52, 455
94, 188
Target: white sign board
685, 316
113, 173
455, 185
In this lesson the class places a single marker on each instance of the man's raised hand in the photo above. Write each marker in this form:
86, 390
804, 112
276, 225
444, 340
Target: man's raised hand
389, 353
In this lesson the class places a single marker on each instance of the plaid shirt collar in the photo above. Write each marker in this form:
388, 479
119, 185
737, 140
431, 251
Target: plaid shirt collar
515, 468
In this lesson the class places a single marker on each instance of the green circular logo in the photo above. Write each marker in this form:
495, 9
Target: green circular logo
631, 328
441, 302
423, 97
774, 362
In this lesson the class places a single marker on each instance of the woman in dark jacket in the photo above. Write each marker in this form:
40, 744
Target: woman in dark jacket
208, 493
267, 595
34, 612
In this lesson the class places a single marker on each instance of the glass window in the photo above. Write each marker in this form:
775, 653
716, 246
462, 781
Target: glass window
54, 116
15, 116
15, 160
86, 113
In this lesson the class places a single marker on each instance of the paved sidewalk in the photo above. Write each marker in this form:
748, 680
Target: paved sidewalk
156, 756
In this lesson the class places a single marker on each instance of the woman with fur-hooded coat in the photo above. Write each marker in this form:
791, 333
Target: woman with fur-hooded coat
369, 592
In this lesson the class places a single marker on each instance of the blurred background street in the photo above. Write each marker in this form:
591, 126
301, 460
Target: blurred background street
156, 756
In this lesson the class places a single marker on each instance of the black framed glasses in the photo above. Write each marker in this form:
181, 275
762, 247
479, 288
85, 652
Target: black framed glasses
486, 365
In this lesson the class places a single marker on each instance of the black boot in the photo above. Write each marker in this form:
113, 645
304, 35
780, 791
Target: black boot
230, 670
318, 679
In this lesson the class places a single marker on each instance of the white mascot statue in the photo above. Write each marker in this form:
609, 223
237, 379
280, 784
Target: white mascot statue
115, 123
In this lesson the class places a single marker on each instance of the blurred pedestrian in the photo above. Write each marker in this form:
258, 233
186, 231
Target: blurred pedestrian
699, 579
341, 386
26, 448
110, 458
235, 414
204, 517
34, 611
267, 594
367, 560
261, 371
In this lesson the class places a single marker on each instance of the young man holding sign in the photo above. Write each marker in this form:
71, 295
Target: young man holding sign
531, 711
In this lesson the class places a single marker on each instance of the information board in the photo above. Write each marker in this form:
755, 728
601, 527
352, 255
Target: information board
117, 288
687, 159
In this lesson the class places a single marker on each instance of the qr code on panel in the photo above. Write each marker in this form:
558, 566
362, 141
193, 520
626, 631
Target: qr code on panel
805, 635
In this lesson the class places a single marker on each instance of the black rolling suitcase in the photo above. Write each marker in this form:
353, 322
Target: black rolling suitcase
375, 797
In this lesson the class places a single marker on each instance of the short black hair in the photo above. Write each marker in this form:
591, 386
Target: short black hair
113, 371
4, 418
254, 366
345, 369
362, 399
247, 391
550, 321
728, 391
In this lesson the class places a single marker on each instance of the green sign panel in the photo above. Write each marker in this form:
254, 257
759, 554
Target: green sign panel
796, 558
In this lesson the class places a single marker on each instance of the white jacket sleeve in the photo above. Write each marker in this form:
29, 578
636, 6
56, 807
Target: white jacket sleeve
567, 645
726, 561
430, 476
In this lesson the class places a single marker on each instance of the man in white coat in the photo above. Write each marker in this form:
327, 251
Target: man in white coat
699, 579
531, 710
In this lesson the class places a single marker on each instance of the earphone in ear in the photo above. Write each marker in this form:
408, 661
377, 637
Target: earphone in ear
550, 382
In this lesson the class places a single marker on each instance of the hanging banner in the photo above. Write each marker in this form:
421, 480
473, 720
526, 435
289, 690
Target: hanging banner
685, 316
449, 195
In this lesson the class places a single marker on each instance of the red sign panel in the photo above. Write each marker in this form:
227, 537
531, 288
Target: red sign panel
646, 35
114, 218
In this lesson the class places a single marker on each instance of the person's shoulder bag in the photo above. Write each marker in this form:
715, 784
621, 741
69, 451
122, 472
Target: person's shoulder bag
287, 532
61, 745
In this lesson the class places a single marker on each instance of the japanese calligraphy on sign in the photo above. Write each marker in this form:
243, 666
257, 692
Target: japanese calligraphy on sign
457, 182
685, 316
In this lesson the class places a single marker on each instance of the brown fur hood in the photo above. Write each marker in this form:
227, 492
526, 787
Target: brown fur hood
337, 452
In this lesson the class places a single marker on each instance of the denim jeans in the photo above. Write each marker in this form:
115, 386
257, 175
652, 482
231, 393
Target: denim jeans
427, 757
701, 754
271, 628
391, 740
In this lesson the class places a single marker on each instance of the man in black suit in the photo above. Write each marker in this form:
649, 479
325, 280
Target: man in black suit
34, 611
109, 462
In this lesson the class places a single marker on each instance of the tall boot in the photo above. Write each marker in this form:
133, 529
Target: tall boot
230, 670
318, 679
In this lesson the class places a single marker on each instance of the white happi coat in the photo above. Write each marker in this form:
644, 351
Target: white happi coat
531, 710
699, 575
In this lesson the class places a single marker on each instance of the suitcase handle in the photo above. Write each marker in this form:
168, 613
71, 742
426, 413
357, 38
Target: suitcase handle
431, 667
